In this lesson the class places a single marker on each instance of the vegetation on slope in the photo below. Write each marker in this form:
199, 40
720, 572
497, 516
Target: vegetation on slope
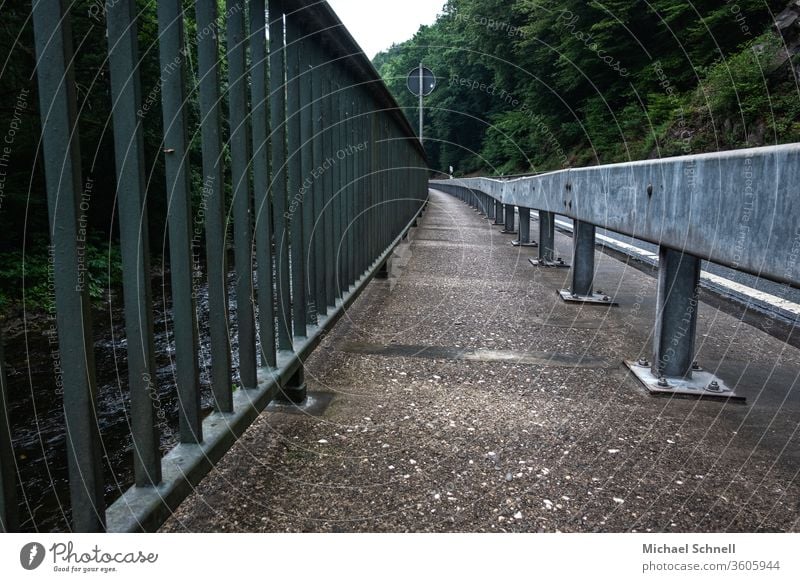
537, 85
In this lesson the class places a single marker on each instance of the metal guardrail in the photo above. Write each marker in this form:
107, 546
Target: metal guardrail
700, 204
323, 189
739, 209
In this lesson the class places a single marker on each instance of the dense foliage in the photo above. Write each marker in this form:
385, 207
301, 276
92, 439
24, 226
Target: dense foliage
535, 85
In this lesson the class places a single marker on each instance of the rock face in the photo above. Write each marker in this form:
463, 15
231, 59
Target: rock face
787, 23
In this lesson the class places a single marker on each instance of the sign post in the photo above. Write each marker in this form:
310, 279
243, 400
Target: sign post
421, 81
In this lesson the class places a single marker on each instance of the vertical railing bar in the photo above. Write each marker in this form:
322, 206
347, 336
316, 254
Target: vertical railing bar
173, 99
214, 199
386, 186
318, 190
342, 185
360, 197
240, 175
263, 205
9, 517
374, 185
306, 184
62, 164
277, 89
330, 186
348, 183
295, 173
131, 198
337, 182
352, 158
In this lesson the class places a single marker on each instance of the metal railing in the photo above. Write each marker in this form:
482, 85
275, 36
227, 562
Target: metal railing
739, 209
327, 176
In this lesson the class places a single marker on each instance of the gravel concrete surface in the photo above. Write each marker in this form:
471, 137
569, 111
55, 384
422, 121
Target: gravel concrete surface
521, 417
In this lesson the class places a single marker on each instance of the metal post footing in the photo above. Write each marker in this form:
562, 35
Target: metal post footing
701, 384
595, 298
295, 389
516, 243
559, 262
315, 404
383, 270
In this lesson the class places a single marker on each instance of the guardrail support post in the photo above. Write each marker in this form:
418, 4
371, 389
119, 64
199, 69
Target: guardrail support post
490, 208
676, 319
673, 369
524, 239
582, 290
509, 219
498, 212
547, 222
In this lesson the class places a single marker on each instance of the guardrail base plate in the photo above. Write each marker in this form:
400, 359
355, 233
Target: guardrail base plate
545, 263
504, 231
593, 299
696, 386
516, 243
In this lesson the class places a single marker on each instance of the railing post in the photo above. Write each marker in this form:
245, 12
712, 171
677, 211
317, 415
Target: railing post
277, 91
306, 185
547, 242
329, 183
63, 180
676, 314
173, 105
131, 197
263, 205
498, 212
583, 259
318, 96
240, 174
9, 521
214, 198
338, 183
294, 128
490, 206
524, 239
508, 219
349, 189
673, 369
582, 290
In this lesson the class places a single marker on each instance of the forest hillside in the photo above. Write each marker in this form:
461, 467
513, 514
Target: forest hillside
536, 85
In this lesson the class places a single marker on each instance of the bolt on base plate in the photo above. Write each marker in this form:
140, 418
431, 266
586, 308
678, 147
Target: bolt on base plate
701, 385
516, 243
593, 299
546, 263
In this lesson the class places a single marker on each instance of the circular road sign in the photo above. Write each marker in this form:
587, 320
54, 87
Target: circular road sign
428, 81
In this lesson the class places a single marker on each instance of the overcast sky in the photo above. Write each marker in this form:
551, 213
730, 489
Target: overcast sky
376, 24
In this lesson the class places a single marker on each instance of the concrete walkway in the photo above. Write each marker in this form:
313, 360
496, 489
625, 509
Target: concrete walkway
467, 397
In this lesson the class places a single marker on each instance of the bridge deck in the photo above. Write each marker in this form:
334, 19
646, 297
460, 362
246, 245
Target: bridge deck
468, 397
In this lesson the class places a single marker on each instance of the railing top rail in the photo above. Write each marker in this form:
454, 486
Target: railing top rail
738, 208
320, 19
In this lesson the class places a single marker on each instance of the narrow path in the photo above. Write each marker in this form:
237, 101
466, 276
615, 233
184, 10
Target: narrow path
467, 397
